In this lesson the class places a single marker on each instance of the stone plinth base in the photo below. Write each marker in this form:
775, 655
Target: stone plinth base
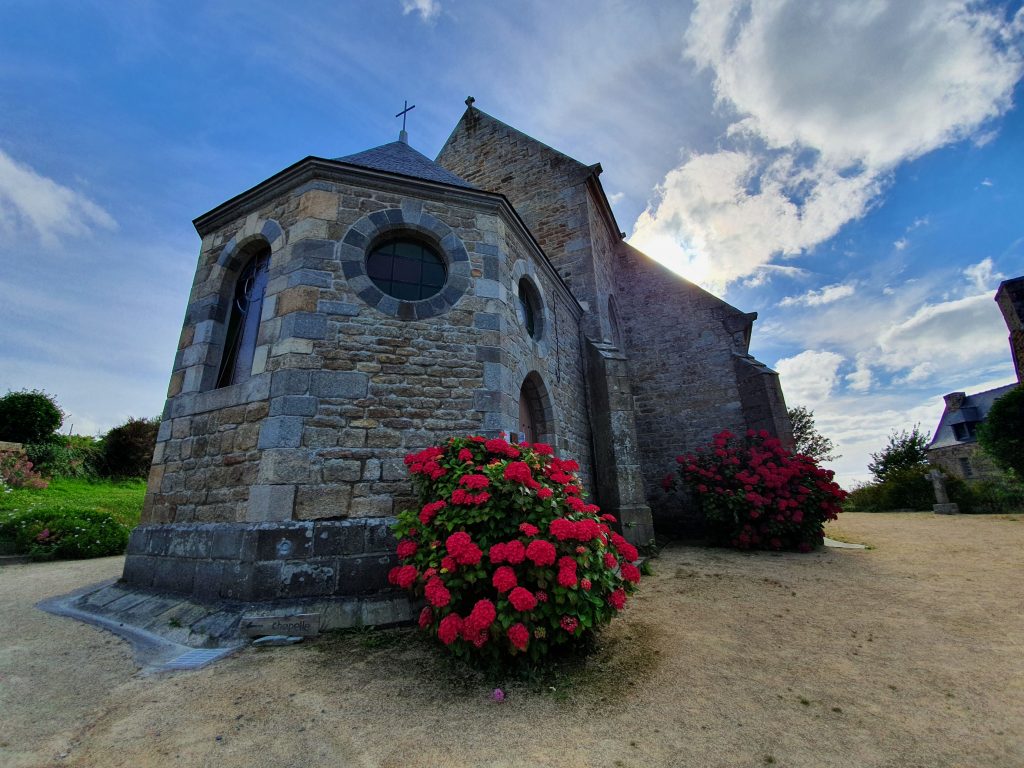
263, 562
946, 509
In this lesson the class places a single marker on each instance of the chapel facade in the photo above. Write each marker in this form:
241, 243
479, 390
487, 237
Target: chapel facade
348, 311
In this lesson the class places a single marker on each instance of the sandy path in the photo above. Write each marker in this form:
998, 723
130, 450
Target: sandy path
908, 654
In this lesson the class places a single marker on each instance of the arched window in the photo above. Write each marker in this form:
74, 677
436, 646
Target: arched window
244, 321
534, 409
407, 269
530, 312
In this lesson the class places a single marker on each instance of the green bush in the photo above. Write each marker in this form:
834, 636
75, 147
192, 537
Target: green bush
70, 456
907, 488
513, 564
866, 497
1002, 434
29, 416
64, 533
997, 495
128, 448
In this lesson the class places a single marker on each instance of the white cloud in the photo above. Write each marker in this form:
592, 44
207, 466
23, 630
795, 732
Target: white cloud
710, 227
827, 99
902, 336
51, 210
809, 377
861, 379
951, 333
987, 183
900, 244
427, 9
983, 275
826, 295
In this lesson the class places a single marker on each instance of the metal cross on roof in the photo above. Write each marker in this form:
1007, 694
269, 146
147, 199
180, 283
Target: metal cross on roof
404, 112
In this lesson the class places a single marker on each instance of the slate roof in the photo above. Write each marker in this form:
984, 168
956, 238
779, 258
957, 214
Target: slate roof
398, 157
975, 408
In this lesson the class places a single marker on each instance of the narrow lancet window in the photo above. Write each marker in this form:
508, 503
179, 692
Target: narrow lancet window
244, 320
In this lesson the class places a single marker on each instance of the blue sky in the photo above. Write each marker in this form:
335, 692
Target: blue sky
850, 170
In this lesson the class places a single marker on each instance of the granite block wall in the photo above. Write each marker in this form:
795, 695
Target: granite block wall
347, 380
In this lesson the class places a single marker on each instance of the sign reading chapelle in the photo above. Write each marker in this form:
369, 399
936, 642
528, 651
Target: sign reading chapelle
346, 312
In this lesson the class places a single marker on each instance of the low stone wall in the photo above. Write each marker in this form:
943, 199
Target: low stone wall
255, 562
5, 446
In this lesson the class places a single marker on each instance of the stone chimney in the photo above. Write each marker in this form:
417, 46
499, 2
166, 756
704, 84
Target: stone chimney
954, 400
1010, 298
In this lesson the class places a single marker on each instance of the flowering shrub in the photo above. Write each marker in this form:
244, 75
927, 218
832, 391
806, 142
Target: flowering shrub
757, 495
60, 533
512, 562
16, 471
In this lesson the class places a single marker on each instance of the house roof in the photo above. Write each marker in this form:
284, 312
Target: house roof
973, 409
398, 157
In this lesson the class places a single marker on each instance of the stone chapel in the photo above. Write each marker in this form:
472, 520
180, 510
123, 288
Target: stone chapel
348, 311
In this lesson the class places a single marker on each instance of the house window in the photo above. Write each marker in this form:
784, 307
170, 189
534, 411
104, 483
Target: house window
244, 321
965, 430
406, 269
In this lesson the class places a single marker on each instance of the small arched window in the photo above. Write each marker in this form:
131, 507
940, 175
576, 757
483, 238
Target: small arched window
244, 320
530, 308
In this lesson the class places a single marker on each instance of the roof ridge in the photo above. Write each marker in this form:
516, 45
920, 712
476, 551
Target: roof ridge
994, 389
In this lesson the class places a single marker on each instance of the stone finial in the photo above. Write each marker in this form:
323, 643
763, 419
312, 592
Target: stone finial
954, 400
470, 101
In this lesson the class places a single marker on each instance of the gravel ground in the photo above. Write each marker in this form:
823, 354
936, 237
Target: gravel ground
907, 654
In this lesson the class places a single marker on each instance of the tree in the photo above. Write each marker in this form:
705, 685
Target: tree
808, 440
905, 450
128, 448
1002, 434
29, 416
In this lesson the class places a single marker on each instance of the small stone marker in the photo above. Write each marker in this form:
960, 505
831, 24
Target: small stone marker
297, 625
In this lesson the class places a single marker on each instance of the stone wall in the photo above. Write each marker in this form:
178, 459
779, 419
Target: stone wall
547, 188
282, 487
681, 357
346, 381
1010, 298
764, 406
948, 458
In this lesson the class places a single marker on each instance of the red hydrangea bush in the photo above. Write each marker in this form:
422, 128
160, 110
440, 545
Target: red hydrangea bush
757, 495
510, 559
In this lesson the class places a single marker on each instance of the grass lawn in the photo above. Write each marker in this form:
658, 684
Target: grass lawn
121, 498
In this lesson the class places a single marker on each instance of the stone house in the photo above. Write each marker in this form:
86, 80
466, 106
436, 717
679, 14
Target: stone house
348, 311
954, 447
